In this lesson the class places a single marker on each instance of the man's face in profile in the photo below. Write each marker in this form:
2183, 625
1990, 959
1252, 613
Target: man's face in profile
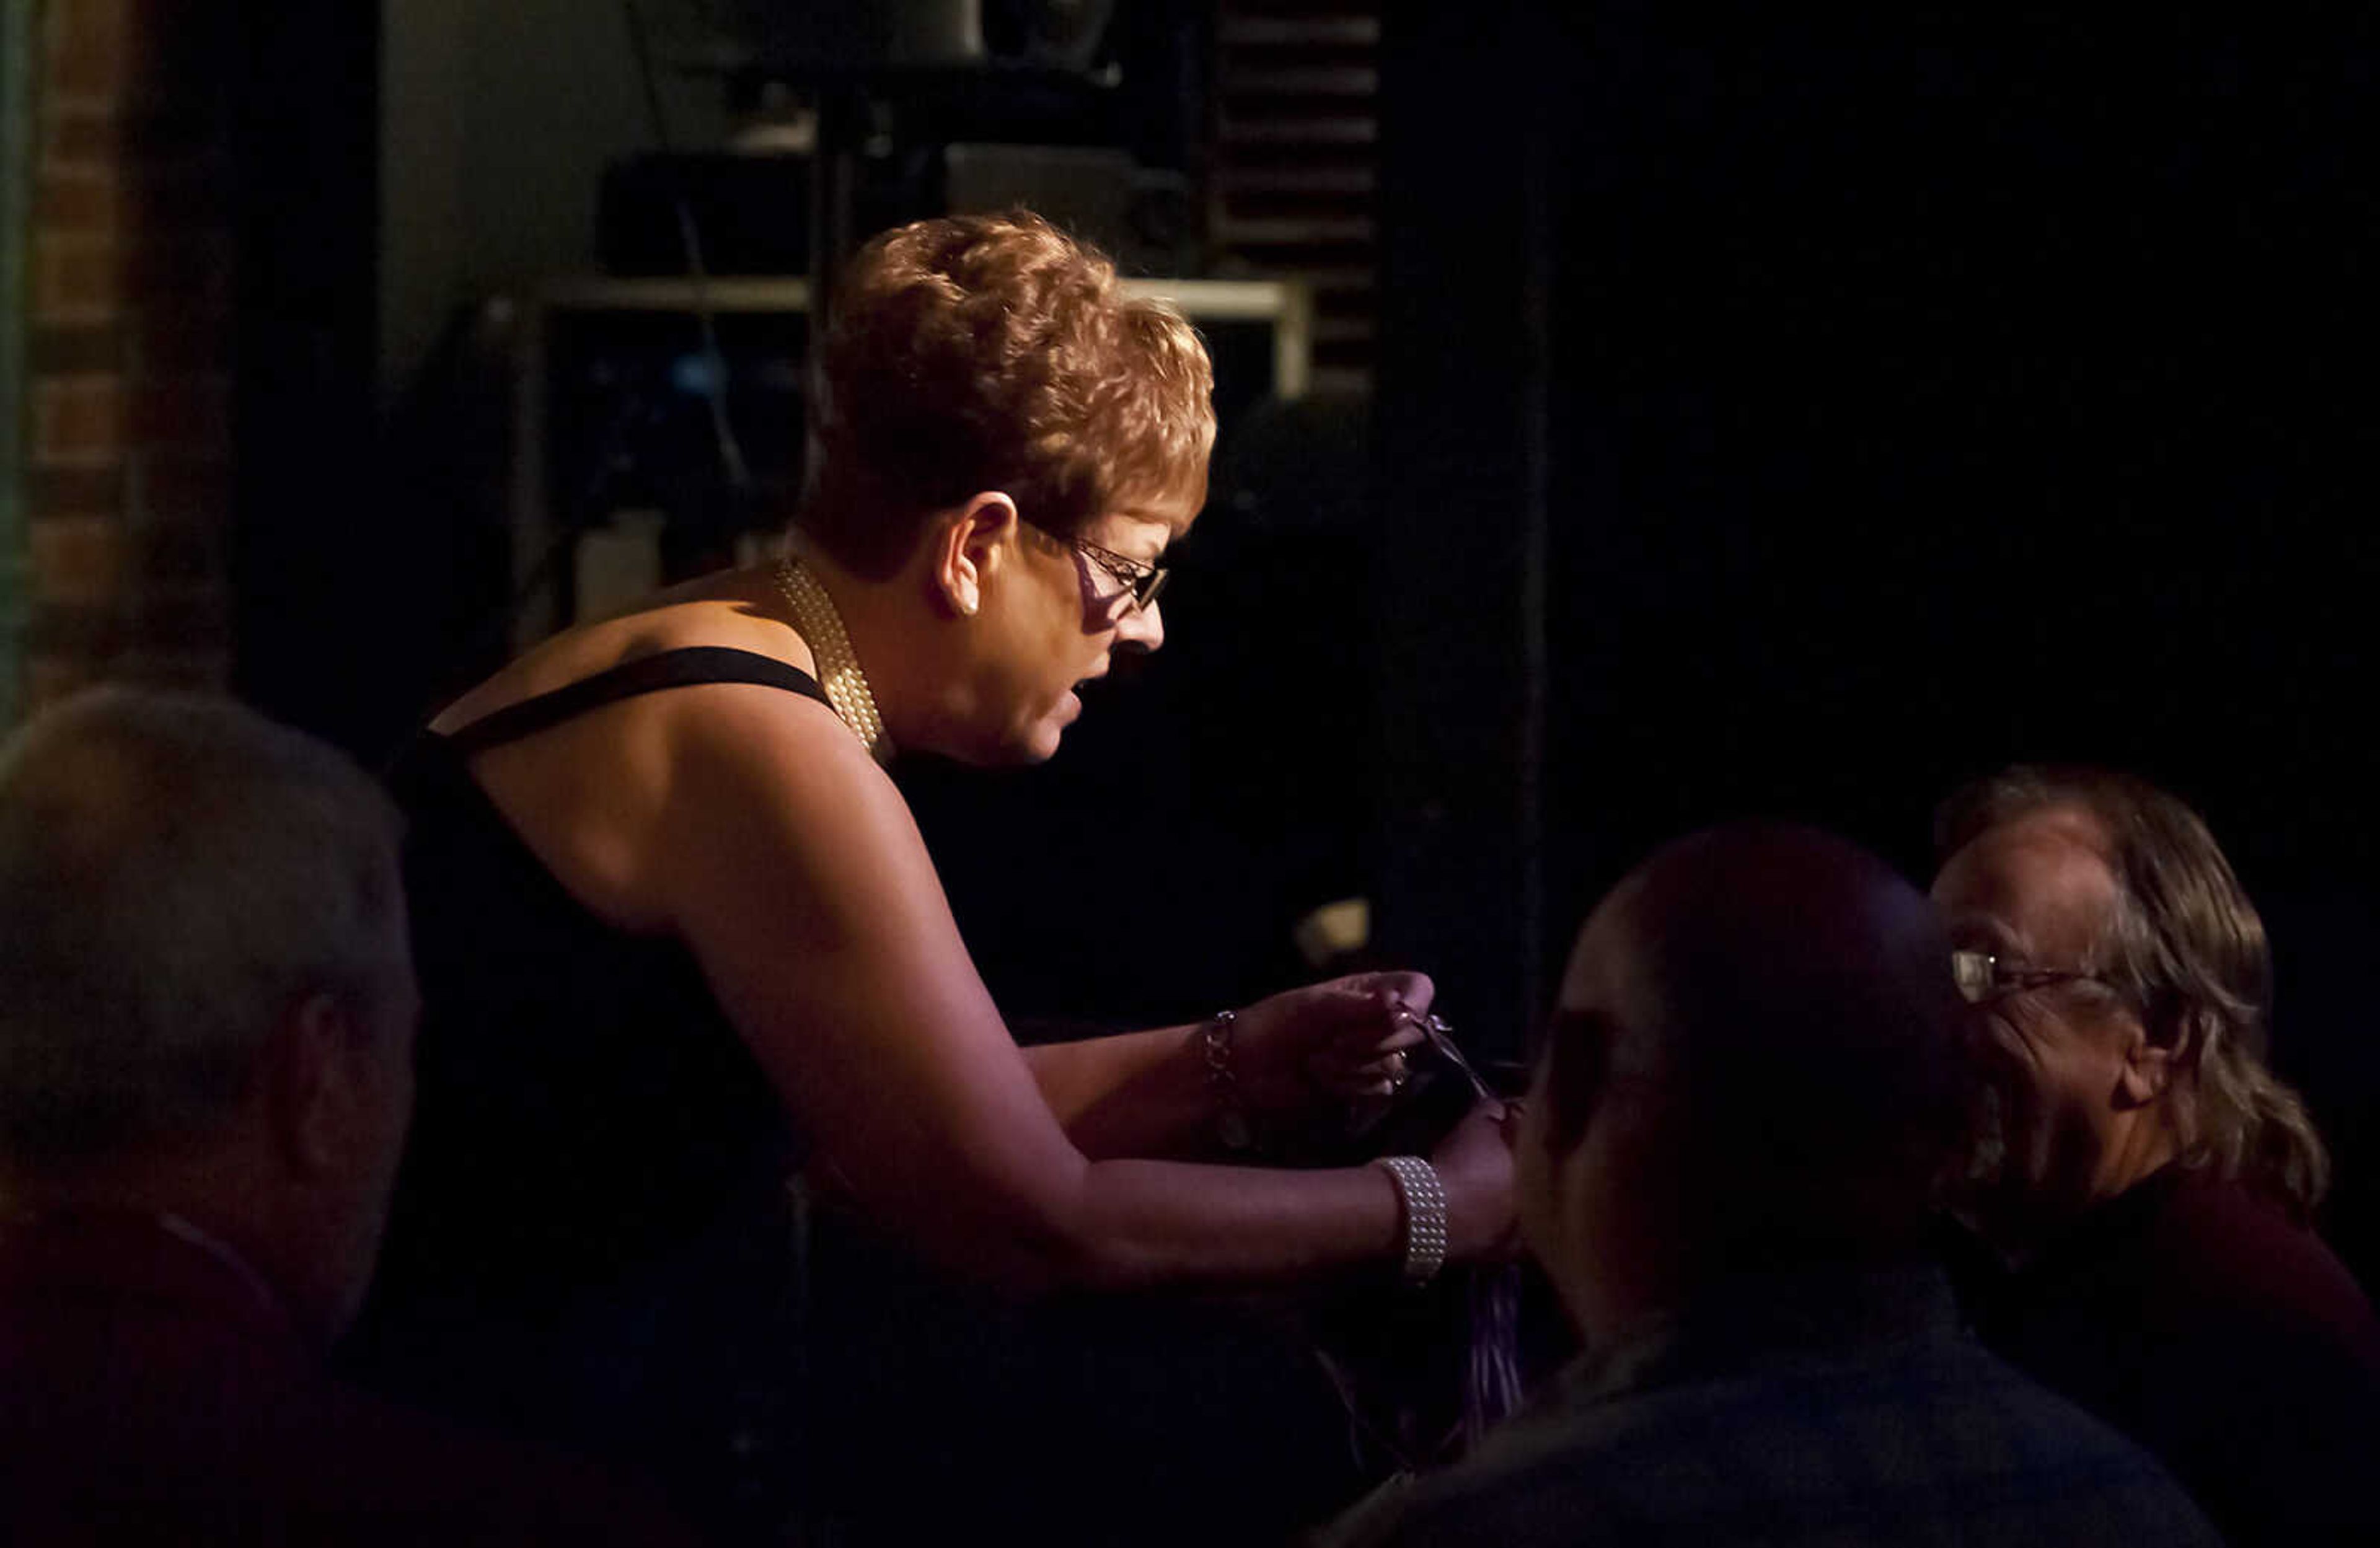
1575, 1182
2037, 896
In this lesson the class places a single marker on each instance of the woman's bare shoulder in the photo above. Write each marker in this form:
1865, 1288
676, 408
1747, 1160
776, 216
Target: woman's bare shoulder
598, 797
757, 802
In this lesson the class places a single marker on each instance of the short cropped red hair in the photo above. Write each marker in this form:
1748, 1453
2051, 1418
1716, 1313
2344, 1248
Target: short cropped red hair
994, 352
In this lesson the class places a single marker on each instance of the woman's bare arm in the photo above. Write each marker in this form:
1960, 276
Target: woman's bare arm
793, 869
1131, 1094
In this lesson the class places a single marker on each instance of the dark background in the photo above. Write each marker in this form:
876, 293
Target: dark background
1838, 411
1778, 415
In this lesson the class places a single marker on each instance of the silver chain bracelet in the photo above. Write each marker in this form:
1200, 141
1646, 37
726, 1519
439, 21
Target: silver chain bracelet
1231, 1112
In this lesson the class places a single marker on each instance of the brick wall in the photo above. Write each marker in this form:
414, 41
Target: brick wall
128, 348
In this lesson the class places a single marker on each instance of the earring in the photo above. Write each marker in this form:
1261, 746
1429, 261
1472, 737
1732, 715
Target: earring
967, 607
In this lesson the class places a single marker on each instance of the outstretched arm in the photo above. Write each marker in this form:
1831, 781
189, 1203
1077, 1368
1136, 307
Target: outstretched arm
789, 863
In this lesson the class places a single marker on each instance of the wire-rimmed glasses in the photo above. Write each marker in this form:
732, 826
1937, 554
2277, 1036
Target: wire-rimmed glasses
1141, 581
1984, 977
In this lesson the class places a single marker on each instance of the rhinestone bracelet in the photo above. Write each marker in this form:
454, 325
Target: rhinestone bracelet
1424, 1198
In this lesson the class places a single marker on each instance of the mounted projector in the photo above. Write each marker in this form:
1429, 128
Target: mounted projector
842, 35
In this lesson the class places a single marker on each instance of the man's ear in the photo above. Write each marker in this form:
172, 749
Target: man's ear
968, 545
1572, 1069
312, 1079
2148, 1068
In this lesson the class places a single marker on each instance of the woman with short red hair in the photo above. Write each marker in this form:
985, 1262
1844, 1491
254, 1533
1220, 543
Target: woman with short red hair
679, 936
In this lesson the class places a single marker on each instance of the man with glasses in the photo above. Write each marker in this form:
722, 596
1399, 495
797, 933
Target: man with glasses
2144, 1185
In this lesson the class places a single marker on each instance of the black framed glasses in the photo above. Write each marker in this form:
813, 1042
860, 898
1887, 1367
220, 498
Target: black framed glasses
1141, 581
1982, 976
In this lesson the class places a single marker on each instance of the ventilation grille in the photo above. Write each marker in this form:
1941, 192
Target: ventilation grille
1295, 162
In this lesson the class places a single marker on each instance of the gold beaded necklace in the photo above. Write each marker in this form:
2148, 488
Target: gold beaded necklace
838, 668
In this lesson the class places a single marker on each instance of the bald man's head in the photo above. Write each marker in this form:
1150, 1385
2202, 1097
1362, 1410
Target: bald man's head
176, 871
206, 992
1757, 1058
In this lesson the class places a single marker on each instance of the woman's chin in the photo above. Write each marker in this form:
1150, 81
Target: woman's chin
1024, 740
1041, 745
1048, 731
1034, 742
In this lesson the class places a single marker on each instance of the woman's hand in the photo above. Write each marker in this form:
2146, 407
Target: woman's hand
1475, 1167
1326, 1044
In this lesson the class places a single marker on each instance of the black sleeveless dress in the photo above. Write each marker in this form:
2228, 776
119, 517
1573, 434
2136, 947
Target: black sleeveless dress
592, 1242
592, 1239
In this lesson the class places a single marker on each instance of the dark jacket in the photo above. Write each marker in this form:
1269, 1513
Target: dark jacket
153, 1391
1836, 1406
2198, 1318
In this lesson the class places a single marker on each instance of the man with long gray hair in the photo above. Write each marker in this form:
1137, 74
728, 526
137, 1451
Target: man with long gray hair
206, 1026
2145, 1184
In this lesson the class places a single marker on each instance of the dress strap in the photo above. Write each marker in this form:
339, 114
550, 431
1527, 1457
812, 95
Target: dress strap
671, 669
